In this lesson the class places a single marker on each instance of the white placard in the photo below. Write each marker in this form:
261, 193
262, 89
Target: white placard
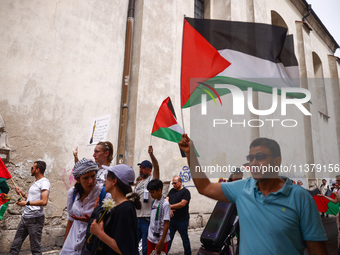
99, 129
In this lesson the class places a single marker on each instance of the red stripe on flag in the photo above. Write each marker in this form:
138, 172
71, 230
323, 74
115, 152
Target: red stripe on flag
199, 60
164, 117
3, 171
3, 199
321, 203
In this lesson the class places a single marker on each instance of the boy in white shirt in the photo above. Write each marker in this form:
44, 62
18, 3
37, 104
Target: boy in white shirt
158, 234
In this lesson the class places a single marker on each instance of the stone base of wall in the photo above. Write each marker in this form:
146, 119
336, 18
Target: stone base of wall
52, 236
198, 220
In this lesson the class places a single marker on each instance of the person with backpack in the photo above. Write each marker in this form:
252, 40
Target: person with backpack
80, 203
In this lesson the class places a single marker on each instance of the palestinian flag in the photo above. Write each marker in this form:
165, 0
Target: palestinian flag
323, 204
255, 55
166, 125
4, 175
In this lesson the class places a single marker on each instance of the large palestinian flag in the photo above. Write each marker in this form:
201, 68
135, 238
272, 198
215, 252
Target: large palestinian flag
166, 125
4, 175
255, 55
323, 204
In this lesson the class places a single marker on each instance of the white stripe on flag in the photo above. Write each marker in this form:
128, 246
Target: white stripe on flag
177, 128
246, 67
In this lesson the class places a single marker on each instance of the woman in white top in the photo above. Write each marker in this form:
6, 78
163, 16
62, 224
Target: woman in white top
103, 155
80, 204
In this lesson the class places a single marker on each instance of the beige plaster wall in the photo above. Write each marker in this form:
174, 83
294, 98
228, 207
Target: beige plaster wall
61, 66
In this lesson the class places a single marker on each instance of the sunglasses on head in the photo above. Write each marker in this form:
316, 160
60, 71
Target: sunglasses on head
258, 156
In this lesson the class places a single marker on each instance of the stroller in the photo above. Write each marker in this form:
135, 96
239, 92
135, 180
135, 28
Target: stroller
217, 236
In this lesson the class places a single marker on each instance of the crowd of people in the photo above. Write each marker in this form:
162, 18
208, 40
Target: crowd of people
266, 206
139, 214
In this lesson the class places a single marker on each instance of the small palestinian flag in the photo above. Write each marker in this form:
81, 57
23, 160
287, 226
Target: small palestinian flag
166, 125
4, 202
323, 204
4, 175
246, 55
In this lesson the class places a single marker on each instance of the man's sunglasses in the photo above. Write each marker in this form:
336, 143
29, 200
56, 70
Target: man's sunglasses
258, 156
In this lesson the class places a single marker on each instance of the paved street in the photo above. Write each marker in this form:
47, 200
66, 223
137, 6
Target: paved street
195, 234
332, 234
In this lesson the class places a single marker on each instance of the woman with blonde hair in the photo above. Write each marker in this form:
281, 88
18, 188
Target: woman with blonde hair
103, 156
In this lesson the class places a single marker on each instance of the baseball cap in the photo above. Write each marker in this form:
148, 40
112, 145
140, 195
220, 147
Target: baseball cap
145, 163
123, 172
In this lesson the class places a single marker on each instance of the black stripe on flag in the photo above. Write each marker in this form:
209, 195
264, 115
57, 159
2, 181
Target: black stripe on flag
171, 108
260, 40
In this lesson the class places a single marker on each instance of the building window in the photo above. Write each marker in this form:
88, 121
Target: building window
277, 20
199, 9
319, 84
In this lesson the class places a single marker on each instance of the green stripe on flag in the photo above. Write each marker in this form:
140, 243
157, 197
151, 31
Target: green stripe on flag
195, 97
332, 208
3, 209
3, 186
168, 134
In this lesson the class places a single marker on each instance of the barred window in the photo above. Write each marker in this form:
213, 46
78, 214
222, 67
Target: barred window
199, 9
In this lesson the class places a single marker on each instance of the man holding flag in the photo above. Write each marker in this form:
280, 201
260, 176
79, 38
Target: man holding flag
276, 216
33, 218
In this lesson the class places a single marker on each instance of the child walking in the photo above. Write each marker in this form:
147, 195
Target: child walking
158, 234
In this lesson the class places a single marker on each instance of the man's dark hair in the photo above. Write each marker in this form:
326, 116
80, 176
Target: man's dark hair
155, 184
272, 145
41, 165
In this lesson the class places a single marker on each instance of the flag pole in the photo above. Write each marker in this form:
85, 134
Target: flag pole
16, 187
150, 139
182, 120
181, 77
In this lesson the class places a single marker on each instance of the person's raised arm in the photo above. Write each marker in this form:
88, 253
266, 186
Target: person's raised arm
154, 163
201, 181
75, 155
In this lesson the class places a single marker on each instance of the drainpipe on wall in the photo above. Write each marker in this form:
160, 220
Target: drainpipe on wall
309, 12
125, 84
